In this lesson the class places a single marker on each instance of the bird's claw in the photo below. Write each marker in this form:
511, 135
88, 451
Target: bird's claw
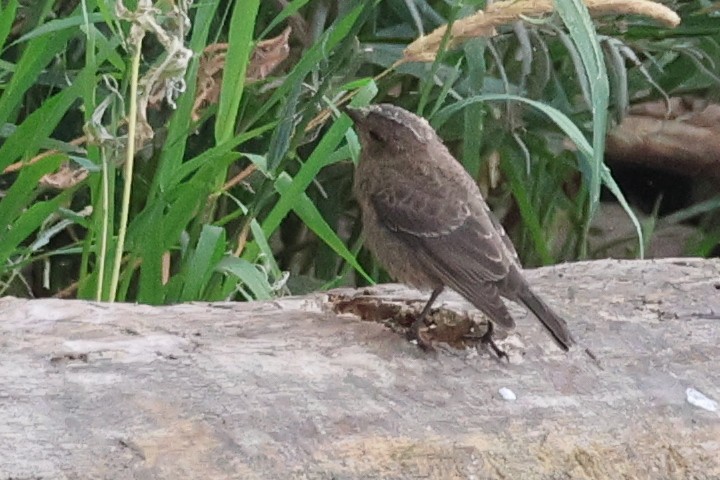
487, 339
501, 354
415, 333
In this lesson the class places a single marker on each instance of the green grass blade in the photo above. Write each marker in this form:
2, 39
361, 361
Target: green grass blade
212, 155
259, 239
692, 211
577, 19
27, 223
19, 216
203, 261
569, 128
282, 136
264, 246
311, 58
8, 130
37, 54
514, 174
248, 274
318, 159
7, 18
151, 247
179, 128
309, 214
58, 25
559, 118
23, 190
289, 10
242, 26
152, 234
609, 182
40, 124
472, 138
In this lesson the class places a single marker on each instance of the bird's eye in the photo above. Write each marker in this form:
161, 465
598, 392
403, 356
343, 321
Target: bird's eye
374, 135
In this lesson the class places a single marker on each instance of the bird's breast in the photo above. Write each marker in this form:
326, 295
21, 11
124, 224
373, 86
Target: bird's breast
400, 261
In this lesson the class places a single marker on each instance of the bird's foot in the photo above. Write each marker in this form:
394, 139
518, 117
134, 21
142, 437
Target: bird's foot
416, 333
497, 350
487, 339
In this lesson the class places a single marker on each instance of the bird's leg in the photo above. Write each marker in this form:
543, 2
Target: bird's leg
414, 332
487, 339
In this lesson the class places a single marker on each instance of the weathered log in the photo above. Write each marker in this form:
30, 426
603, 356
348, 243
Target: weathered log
680, 136
292, 389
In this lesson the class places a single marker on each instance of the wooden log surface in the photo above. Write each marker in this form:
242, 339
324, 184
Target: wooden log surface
293, 389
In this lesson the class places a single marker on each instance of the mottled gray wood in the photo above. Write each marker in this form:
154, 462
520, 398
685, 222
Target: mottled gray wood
290, 389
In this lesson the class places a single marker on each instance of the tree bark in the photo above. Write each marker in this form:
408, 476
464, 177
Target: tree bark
304, 388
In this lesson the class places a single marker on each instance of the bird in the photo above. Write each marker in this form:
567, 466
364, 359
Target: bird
426, 222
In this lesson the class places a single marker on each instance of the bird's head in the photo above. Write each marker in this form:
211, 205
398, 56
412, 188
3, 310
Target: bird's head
385, 128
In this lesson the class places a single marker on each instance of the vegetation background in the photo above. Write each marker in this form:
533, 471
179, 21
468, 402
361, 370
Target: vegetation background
165, 152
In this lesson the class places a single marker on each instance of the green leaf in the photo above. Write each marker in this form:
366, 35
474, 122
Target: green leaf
36, 56
203, 261
242, 26
582, 31
609, 182
290, 9
27, 223
570, 129
560, 119
309, 214
40, 124
280, 140
527, 209
173, 152
7, 18
19, 217
473, 129
158, 229
265, 249
8, 130
260, 240
248, 274
59, 25
311, 58
222, 151
367, 89
318, 159
151, 247
24, 190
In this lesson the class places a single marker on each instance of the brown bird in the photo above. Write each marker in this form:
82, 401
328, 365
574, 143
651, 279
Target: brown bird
426, 221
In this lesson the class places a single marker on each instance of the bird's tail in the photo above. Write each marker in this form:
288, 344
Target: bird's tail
552, 322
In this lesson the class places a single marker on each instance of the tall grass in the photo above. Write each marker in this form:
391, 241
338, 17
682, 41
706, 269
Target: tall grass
116, 187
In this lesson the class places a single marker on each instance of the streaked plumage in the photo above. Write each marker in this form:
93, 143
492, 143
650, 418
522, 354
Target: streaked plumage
426, 221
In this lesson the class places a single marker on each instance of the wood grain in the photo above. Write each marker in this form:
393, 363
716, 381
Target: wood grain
292, 389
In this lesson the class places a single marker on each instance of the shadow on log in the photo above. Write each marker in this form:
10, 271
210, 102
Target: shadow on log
291, 389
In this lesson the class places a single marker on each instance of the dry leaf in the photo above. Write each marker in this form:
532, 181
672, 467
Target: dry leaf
266, 57
209, 77
66, 177
165, 79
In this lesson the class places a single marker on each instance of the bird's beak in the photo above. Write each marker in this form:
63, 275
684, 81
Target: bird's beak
356, 114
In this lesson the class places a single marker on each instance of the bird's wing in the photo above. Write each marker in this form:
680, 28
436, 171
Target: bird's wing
454, 238
420, 211
470, 262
